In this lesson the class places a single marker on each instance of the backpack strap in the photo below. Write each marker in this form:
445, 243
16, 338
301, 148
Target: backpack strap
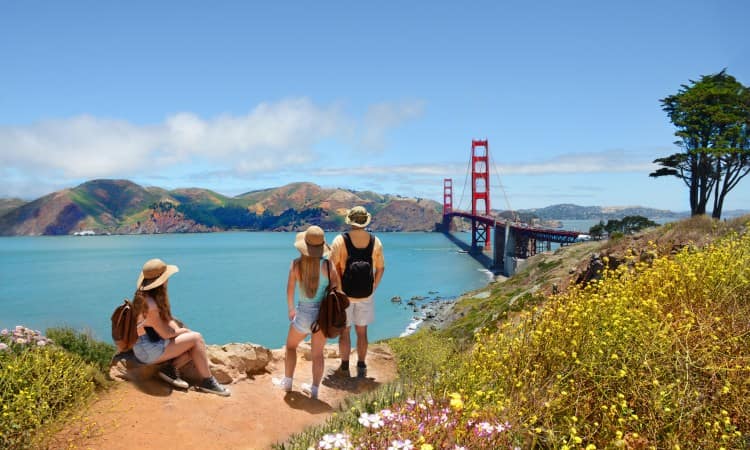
350, 248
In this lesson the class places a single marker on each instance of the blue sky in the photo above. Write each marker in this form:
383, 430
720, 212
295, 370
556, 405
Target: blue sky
385, 96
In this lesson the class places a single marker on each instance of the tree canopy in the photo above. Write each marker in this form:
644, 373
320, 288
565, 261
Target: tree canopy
712, 117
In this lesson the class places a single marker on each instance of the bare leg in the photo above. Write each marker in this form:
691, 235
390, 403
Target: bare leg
181, 360
292, 341
345, 344
192, 344
318, 363
361, 342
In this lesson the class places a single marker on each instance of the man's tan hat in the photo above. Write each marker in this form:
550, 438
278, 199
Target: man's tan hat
156, 272
312, 242
358, 217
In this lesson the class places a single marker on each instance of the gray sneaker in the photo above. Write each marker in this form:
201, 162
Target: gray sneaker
212, 386
169, 373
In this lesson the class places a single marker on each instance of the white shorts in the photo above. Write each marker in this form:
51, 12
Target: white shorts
360, 313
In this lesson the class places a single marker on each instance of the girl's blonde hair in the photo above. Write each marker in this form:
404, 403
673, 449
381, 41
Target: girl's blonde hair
309, 274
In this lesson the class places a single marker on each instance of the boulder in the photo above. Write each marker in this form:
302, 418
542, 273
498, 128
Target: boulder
237, 361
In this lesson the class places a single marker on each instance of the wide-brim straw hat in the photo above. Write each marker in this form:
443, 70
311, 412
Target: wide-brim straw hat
156, 272
312, 242
358, 217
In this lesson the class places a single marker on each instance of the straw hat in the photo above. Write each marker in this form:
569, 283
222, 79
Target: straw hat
157, 271
312, 242
358, 217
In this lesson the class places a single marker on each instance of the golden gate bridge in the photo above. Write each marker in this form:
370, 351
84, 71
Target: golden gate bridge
512, 240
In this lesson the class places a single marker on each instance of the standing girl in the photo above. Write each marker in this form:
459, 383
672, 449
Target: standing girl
312, 272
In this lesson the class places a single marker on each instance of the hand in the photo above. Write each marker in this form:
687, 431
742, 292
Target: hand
292, 313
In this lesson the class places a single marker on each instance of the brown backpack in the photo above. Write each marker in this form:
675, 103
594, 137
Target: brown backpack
332, 315
124, 331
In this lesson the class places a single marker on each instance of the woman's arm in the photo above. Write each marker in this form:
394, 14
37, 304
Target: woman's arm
162, 327
334, 275
290, 284
177, 328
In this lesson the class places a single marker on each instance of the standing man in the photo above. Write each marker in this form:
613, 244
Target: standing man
358, 256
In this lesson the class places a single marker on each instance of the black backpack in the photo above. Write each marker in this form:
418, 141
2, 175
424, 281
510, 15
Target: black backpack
357, 279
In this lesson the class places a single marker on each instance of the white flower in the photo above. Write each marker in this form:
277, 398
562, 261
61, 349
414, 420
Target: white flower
338, 441
3, 346
401, 445
370, 420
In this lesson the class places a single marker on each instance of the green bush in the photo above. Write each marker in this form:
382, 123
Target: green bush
96, 353
38, 382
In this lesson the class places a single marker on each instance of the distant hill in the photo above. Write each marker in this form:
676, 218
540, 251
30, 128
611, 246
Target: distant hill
575, 212
8, 204
123, 207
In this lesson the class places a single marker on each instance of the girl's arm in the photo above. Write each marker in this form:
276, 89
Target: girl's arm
164, 328
291, 281
334, 274
177, 328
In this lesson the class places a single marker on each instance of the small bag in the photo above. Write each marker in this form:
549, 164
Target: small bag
124, 328
332, 315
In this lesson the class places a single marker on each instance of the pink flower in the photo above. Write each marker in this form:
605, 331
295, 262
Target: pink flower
3, 346
41, 342
4, 332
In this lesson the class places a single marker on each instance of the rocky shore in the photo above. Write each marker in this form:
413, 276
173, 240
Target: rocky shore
437, 312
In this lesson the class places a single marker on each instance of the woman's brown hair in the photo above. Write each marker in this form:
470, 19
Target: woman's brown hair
160, 296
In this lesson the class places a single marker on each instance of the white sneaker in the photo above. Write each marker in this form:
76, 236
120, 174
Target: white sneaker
285, 384
310, 390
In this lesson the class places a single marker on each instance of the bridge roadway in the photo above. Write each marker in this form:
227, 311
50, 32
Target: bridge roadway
512, 241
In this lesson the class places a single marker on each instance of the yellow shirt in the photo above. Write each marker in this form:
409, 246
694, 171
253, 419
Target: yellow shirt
360, 238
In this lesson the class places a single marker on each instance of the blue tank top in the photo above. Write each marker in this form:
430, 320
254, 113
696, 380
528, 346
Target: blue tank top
322, 285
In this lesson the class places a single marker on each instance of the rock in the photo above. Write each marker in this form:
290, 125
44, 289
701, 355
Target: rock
329, 351
396, 299
237, 361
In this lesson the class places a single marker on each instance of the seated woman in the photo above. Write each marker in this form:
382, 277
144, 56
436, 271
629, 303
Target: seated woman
160, 338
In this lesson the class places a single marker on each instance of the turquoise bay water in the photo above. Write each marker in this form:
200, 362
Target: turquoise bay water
231, 286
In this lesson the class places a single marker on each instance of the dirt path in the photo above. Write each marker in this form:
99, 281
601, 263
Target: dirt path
150, 414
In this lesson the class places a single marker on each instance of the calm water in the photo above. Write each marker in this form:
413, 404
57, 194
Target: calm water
231, 286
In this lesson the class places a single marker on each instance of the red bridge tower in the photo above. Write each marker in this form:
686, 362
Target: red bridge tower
480, 193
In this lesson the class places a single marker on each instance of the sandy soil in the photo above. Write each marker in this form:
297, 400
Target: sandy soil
150, 414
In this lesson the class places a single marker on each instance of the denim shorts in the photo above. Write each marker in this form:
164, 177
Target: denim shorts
148, 351
307, 313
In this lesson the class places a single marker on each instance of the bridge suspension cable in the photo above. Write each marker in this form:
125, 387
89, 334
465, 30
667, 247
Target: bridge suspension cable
505, 194
460, 203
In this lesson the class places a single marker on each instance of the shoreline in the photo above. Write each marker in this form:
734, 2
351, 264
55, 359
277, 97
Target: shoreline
437, 312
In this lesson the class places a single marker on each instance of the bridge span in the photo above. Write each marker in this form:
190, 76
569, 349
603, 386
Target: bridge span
513, 241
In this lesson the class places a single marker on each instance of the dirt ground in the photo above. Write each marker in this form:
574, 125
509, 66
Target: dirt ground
150, 414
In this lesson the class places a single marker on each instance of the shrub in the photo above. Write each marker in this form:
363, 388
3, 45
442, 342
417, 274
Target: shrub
38, 382
96, 353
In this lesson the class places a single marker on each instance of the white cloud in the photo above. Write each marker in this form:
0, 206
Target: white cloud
273, 136
383, 116
607, 161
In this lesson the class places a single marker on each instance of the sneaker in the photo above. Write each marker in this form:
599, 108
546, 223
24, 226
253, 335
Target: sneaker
211, 385
285, 384
169, 373
343, 371
310, 390
361, 371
